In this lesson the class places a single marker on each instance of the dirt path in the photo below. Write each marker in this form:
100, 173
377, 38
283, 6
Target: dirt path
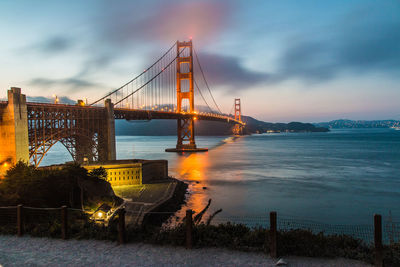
26, 251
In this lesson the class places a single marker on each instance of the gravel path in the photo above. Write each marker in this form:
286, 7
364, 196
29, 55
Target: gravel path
26, 251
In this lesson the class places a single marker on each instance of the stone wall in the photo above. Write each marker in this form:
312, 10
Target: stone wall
154, 170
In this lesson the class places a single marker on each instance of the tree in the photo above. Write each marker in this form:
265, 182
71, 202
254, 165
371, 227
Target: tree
100, 173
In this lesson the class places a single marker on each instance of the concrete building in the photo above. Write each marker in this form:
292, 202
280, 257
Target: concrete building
132, 172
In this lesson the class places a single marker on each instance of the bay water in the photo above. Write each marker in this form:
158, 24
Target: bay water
340, 177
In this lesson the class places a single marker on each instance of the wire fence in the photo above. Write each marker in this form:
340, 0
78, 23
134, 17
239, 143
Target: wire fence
364, 232
8, 219
50, 219
391, 231
271, 233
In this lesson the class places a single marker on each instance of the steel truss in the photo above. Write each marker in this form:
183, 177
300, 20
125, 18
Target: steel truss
80, 129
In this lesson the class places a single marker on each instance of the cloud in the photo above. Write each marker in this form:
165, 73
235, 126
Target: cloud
165, 21
57, 44
52, 45
136, 29
73, 84
355, 47
227, 71
97, 61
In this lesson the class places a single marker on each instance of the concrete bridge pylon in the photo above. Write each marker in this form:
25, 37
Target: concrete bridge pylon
14, 142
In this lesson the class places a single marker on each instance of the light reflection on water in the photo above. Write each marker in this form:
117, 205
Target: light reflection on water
192, 168
339, 177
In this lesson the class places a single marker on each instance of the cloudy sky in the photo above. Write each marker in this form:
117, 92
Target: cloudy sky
287, 60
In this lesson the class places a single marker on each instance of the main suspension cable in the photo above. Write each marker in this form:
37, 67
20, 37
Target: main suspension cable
202, 73
162, 70
201, 94
116, 90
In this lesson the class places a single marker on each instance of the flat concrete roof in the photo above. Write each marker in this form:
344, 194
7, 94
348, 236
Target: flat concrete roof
121, 161
109, 162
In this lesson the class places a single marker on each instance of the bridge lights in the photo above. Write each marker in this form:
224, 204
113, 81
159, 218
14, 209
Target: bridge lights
81, 103
56, 100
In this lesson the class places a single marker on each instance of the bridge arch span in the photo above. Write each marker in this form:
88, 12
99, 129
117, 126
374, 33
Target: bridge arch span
90, 150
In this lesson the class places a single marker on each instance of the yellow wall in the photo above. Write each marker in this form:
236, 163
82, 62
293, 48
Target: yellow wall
121, 174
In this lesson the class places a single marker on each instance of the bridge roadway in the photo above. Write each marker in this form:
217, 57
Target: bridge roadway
132, 114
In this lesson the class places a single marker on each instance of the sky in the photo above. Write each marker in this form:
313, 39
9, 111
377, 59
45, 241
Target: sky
307, 61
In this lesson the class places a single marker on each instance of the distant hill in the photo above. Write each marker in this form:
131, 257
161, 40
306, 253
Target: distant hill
211, 128
343, 123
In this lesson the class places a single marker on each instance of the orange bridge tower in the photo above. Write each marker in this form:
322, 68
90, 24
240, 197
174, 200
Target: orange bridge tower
185, 99
238, 128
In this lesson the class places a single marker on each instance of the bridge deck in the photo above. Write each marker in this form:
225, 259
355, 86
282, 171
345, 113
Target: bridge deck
134, 114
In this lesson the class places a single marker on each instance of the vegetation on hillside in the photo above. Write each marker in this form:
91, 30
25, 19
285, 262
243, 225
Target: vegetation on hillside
67, 185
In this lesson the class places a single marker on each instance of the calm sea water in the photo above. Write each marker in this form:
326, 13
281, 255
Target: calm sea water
343, 177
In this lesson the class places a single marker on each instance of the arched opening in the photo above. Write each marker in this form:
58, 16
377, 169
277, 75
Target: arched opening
66, 140
57, 154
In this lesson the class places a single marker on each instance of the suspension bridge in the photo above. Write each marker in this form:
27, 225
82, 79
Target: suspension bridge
173, 87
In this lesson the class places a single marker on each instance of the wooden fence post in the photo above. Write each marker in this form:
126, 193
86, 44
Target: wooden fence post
189, 229
272, 235
64, 222
20, 220
378, 240
121, 227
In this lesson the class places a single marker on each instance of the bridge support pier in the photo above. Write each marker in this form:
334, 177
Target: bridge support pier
108, 148
100, 146
14, 141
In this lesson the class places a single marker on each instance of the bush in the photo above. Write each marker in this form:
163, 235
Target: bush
27, 185
305, 243
392, 255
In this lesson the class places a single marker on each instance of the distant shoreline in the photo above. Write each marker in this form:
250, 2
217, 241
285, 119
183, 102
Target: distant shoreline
349, 124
